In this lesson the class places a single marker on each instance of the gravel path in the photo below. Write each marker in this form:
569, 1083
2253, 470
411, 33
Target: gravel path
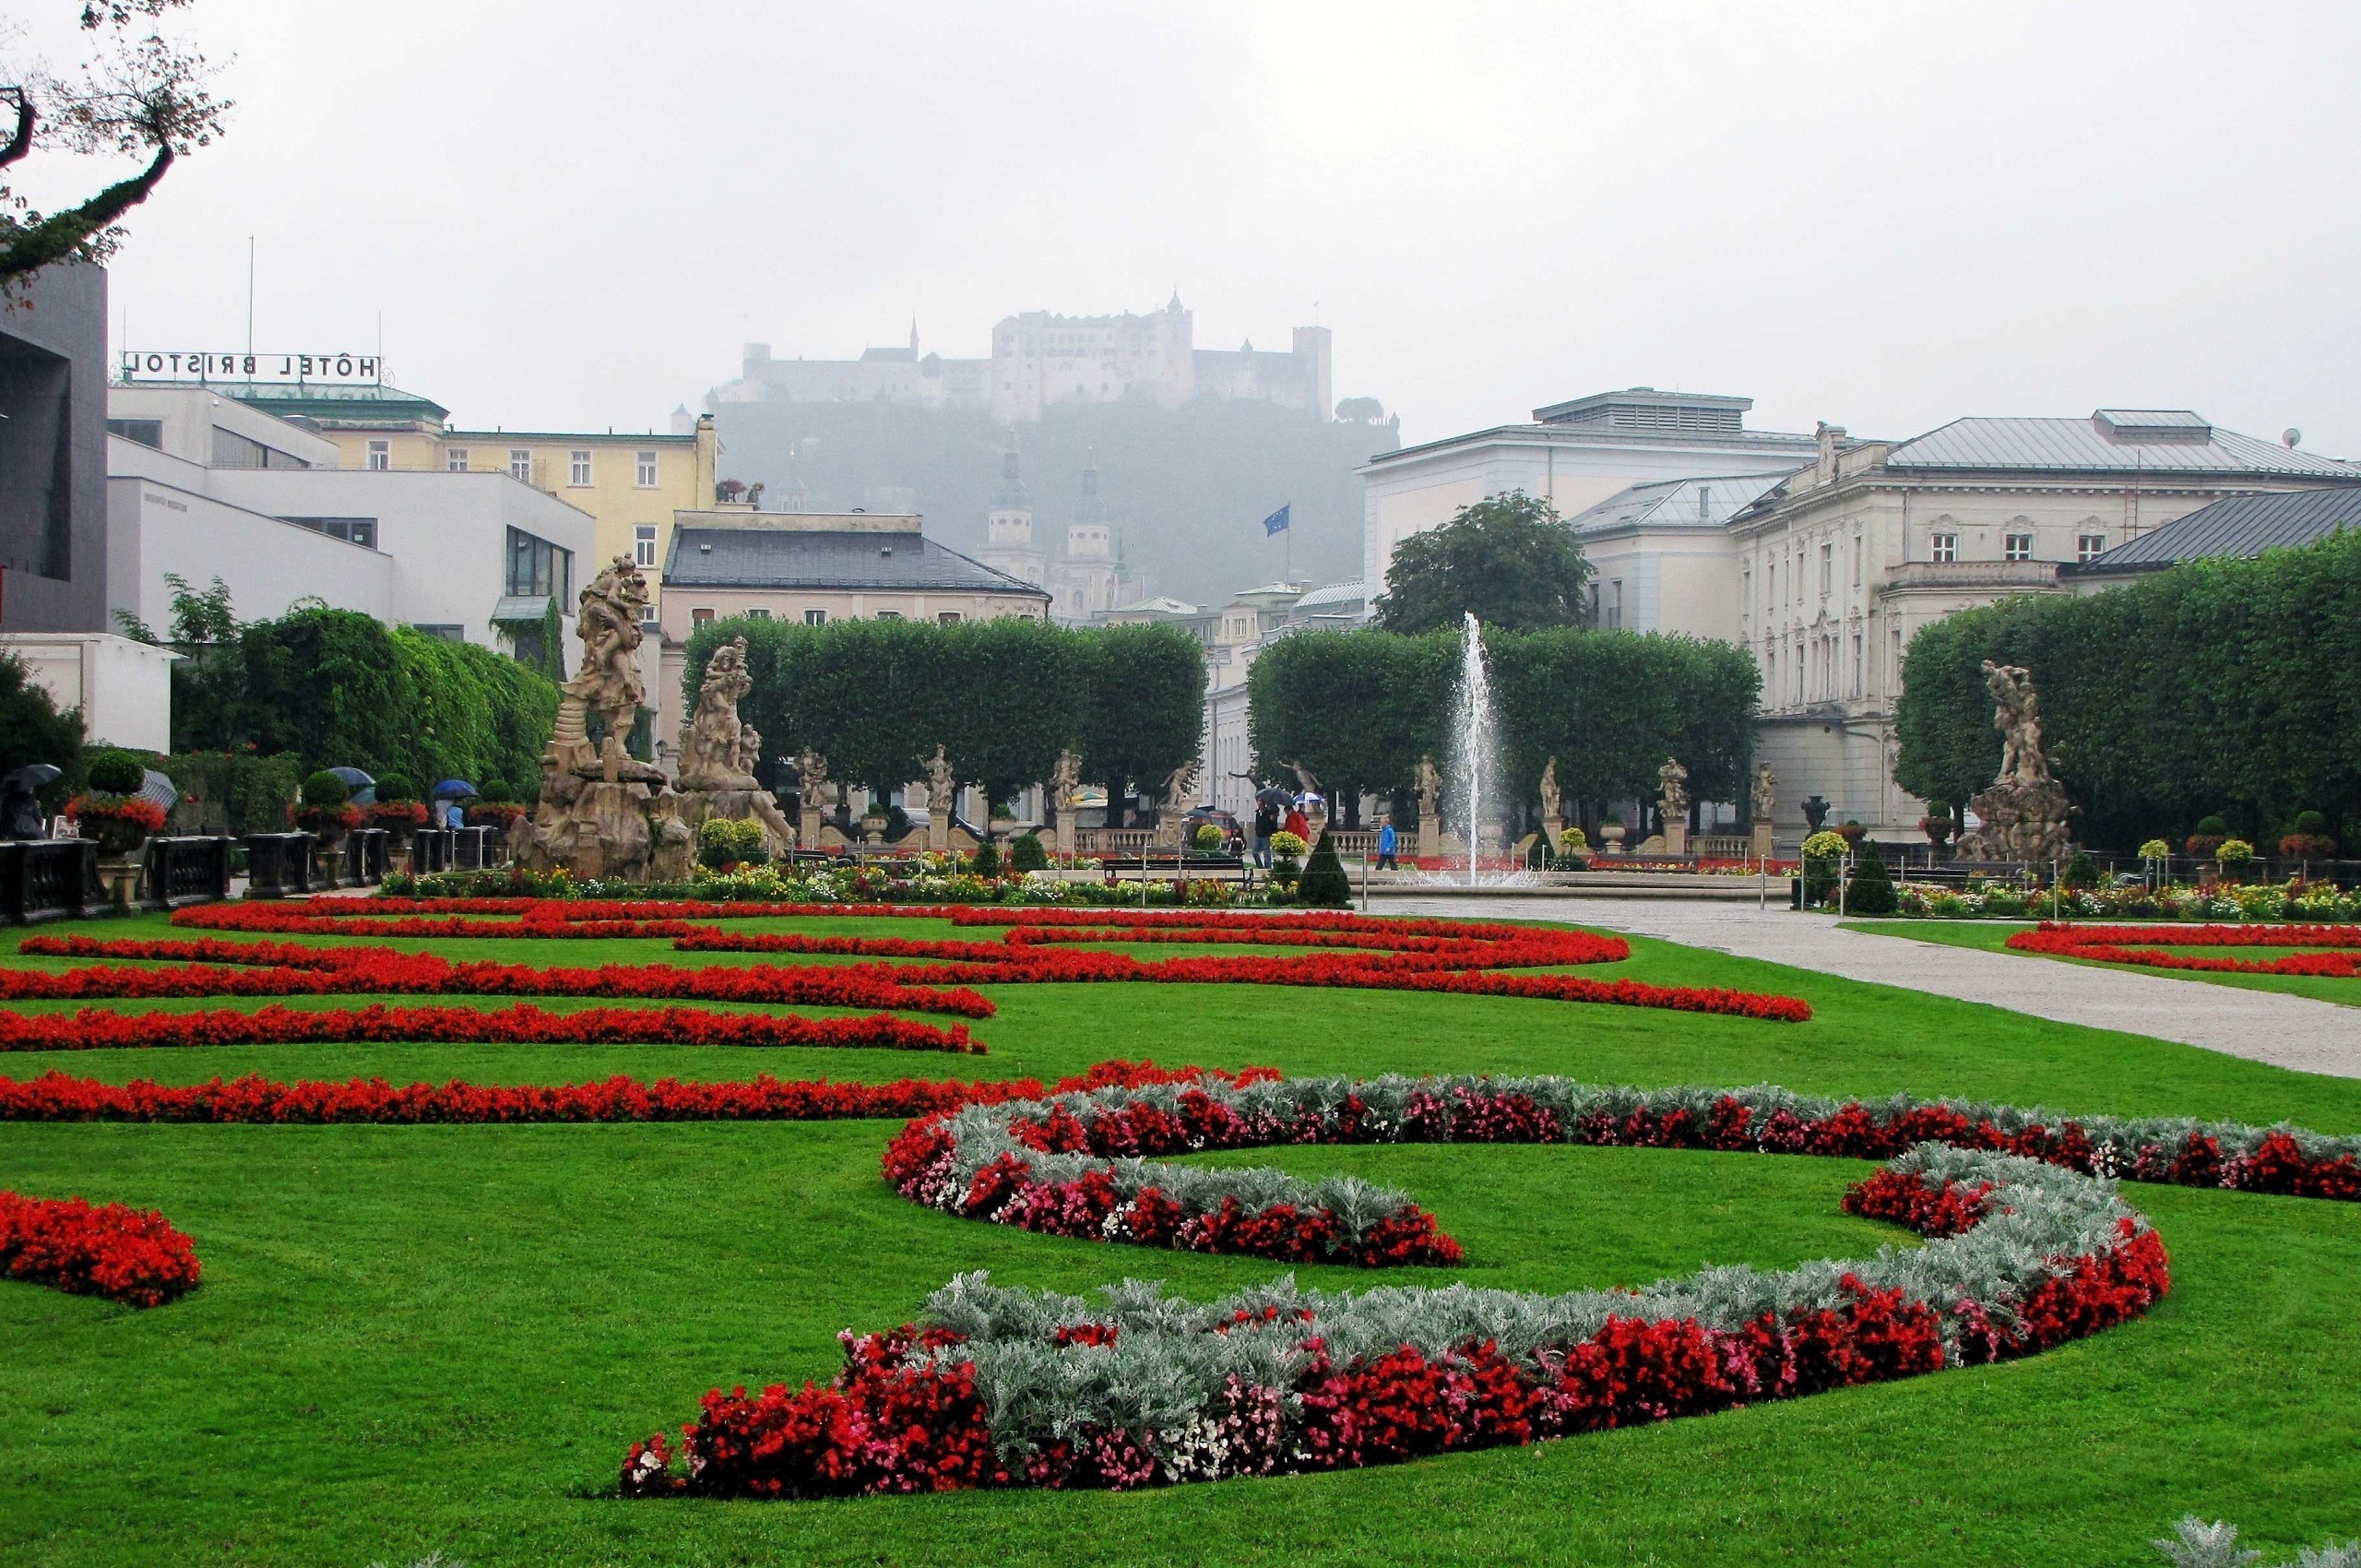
2286, 1031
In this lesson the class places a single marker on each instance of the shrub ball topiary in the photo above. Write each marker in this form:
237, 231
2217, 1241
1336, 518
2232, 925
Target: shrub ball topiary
394, 788
1210, 839
1871, 890
119, 773
325, 789
2080, 870
496, 792
1027, 852
1324, 882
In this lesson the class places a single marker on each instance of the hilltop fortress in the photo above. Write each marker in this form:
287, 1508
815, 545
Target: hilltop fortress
1039, 360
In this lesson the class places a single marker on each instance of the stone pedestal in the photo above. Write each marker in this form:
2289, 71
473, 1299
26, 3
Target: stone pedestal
1676, 838
1063, 833
1172, 828
1761, 846
938, 825
808, 831
119, 875
1429, 834
2022, 822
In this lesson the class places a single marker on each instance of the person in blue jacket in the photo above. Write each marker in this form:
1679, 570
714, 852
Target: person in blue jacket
1386, 847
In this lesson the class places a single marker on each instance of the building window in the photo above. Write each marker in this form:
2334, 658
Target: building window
643, 544
889, 615
2090, 547
647, 475
381, 455
520, 464
2018, 547
441, 629
147, 433
1946, 548
947, 618
758, 614
1857, 560
362, 531
1827, 567
700, 617
578, 469
1615, 605
537, 568
816, 617
647, 614
456, 460
1860, 669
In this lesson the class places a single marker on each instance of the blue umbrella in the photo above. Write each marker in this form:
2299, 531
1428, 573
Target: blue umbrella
452, 789
363, 788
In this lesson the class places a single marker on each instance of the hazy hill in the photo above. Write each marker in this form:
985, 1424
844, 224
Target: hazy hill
1186, 488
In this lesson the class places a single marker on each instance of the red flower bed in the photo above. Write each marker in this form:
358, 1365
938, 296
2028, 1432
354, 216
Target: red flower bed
139, 812
93, 1028
124, 1254
2109, 943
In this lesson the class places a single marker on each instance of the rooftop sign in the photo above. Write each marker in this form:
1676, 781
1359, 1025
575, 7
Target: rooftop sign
342, 370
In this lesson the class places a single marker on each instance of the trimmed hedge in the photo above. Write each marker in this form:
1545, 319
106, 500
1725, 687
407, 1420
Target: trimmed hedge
1360, 708
2216, 686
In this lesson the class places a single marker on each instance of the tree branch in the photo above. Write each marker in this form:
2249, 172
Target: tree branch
22, 142
58, 237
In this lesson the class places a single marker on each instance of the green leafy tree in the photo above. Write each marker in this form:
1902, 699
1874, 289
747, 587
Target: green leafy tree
137, 94
1143, 706
32, 728
1509, 560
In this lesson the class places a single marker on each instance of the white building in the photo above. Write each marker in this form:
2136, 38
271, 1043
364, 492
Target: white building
123, 688
1840, 563
1573, 454
202, 486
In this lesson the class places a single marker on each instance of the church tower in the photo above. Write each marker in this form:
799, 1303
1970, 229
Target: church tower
1082, 578
1008, 529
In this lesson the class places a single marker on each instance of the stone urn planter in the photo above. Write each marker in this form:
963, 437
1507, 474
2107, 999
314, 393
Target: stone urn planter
1611, 836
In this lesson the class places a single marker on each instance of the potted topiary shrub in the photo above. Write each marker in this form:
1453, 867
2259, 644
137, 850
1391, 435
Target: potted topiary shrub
495, 805
1850, 830
111, 811
724, 844
1823, 854
1939, 827
399, 811
2211, 833
325, 809
1210, 839
1573, 850
2307, 838
1287, 859
2235, 858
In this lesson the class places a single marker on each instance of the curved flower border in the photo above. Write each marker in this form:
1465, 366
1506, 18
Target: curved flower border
1001, 1387
2108, 945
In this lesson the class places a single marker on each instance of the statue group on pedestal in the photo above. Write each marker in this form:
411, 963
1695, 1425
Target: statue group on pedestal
2023, 814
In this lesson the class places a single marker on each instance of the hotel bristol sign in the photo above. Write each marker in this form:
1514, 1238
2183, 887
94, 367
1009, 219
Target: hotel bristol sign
340, 370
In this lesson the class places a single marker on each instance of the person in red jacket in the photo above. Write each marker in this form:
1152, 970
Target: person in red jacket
1297, 824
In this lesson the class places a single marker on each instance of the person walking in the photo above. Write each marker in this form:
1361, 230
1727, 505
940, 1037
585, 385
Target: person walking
1299, 825
1385, 847
1266, 822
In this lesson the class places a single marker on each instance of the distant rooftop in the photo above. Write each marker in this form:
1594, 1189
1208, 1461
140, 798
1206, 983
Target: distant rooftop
746, 555
2238, 528
1670, 502
2111, 440
1644, 407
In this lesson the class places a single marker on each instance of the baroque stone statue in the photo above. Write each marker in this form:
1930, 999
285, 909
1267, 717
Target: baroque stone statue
1672, 783
2022, 816
1065, 782
1428, 783
607, 620
1550, 796
1765, 791
1181, 782
712, 737
941, 789
810, 774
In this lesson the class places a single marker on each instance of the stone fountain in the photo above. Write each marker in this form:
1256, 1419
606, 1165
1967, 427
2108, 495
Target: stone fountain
605, 814
2024, 814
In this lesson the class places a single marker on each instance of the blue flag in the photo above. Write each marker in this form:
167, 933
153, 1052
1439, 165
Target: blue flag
1276, 523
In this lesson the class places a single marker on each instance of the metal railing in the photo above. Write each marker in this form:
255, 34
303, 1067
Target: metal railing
48, 879
186, 870
278, 865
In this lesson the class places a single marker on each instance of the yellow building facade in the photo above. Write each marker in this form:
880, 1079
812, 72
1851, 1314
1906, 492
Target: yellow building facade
630, 483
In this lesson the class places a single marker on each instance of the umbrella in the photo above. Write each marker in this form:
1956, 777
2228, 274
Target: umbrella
32, 775
451, 790
363, 788
159, 788
1273, 795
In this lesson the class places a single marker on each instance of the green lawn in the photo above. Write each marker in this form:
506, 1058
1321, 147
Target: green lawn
1994, 936
442, 1337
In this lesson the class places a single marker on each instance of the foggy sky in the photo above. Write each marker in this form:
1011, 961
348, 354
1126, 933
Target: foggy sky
571, 215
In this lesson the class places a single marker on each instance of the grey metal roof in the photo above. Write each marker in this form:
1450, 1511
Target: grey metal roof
1710, 502
2241, 526
790, 558
2081, 444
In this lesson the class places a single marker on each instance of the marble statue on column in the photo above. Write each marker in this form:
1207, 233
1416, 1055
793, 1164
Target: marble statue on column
1764, 794
1428, 781
942, 799
1672, 784
1172, 814
811, 784
1065, 796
